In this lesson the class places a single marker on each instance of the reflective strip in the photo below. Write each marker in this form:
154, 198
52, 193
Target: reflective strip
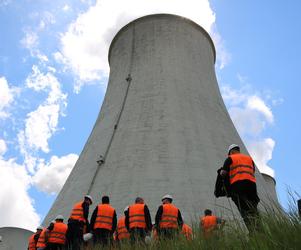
241, 172
243, 166
172, 216
57, 237
104, 216
172, 221
104, 222
135, 215
136, 221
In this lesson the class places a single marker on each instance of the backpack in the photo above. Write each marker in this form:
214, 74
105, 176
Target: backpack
222, 185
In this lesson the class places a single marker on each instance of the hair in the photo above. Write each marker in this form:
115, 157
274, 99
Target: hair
105, 199
208, 212
139, 199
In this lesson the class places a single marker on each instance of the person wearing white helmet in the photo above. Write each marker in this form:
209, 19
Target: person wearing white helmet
168, 221
57, 234
240, 169
78, 223
33, 239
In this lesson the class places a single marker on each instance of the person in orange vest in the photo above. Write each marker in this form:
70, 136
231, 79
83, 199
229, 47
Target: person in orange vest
33, 239
42, 240
122, 234
243, 191
104, 222
187, 231
57, 234
210, 223
138, 221
168, 219
77, 221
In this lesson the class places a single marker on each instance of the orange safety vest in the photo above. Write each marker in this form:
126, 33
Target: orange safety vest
32, 243
104, 219
241, 168
187, 231
137, 216
58, 233
77, 212
122, 232
169, 216
209, 223
42, 239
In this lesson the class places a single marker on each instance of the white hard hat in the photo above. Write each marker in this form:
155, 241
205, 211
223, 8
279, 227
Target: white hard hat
53, 221
87, 236
40, 228
59, 217
231, 147
89, 197
126, 209
148, 239
167, 196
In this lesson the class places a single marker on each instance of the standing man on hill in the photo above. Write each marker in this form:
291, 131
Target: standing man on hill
168, 218
77, 222
243, 191
138, 221
104, 222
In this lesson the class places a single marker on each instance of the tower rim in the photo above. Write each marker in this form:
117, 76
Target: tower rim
163, 15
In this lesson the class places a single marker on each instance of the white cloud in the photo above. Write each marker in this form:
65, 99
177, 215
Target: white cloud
262, 152
6, 97
42, 123
251, 115
66, 8
50, 177
40, 126
16, 207
85, 44
256, 103
3, 147
30, 40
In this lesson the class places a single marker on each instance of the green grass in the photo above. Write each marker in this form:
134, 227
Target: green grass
277, 230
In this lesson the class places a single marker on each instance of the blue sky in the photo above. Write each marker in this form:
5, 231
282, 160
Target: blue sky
53, 76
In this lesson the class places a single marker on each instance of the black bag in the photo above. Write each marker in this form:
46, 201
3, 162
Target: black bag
222, 185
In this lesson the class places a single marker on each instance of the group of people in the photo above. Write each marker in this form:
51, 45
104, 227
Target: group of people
136, 224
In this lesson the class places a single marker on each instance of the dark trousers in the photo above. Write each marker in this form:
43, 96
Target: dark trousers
102, 236
167, 233
137, 235
244, 195
55, 246
75, 234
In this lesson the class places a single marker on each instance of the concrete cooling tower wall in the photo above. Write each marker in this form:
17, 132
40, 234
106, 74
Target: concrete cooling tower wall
13, 238
163, 126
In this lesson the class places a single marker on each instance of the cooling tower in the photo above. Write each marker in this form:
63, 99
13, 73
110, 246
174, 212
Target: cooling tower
163, 127
14, 238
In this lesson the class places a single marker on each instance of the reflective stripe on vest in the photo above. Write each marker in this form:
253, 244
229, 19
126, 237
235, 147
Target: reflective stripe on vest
137, 216
169, 217
241, 168
31, 242
122, 232
104, 217
209, 223
77, 212
58, 233
42, 239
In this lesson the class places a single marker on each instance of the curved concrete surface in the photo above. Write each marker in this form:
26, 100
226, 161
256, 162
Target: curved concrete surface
163, 126
14, 238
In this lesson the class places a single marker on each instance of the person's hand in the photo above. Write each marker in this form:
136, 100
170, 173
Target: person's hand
223, 172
